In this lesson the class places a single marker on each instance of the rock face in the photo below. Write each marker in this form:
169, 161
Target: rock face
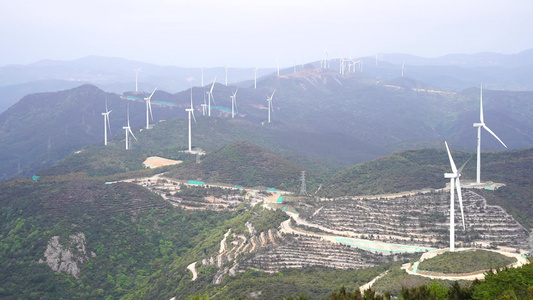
65, 258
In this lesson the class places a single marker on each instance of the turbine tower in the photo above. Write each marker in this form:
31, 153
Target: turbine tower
277, 64
136, 77
106, 122
403, 68
234, 103
226, 67
454, 181
128, 129
255, 78
190, 111
479, 126
210, 96
149, 109
269, 101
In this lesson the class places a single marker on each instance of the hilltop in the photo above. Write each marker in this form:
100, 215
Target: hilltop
243, 164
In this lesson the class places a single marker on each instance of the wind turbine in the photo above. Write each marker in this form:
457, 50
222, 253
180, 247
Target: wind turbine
454, 180
233, 103
277, 64
190, 111
269, 101
136, 77
128, 129
106, 122
149, 109
403, 68
202, 77
226, 67
210, 96
255, 78
479, 125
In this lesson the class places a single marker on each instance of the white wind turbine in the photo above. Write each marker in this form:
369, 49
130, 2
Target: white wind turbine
479, 125
128, 129
255, 78
226, 67
269, 101
454, 181
403, 68
106, 122
136, 77
149, 109
277, 64
190, 111
210, 96
234, 103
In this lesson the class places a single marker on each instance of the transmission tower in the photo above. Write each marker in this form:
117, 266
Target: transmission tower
303, 190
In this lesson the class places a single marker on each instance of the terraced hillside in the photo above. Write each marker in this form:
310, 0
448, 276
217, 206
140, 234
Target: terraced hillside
421, 219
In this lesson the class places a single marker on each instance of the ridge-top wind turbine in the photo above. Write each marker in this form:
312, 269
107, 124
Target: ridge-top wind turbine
106, 122
210, 96
190, 111
454, 181
149, 109
136, 77
128, 129
269, 101
479, 125
234, 103
255, 78
226, 67
403, 68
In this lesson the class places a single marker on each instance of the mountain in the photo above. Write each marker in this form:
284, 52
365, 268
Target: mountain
243, 164
318, 115
43, 128
108, 73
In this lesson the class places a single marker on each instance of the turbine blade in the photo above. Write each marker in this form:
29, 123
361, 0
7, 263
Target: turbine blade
128, 114
150, 109
213, 85
213, 98
149, 98
108, 124
129, 129
461, 168
458, 184
452, 164
193, 116
481, 104
486, 128
235, 94
106, 110
273, 93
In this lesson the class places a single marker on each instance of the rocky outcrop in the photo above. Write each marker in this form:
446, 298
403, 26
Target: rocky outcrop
65, 259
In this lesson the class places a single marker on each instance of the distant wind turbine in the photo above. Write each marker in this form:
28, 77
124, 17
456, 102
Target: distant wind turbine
202, 77
210, 96
136, 77
479, 125
106, 122
234, 103
269, 101
226, 67
190, 111
128, 129
454, 180
149, 109
255, 78
277, 64
403, 68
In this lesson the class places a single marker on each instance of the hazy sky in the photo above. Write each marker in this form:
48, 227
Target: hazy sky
248, 33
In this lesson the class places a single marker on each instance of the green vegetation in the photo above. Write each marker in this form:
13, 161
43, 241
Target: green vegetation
465, 262
246, 165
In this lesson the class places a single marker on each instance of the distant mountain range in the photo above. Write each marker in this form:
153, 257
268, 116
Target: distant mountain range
318, 115
451, 72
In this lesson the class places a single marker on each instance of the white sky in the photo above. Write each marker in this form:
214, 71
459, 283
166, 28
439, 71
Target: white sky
248, 33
